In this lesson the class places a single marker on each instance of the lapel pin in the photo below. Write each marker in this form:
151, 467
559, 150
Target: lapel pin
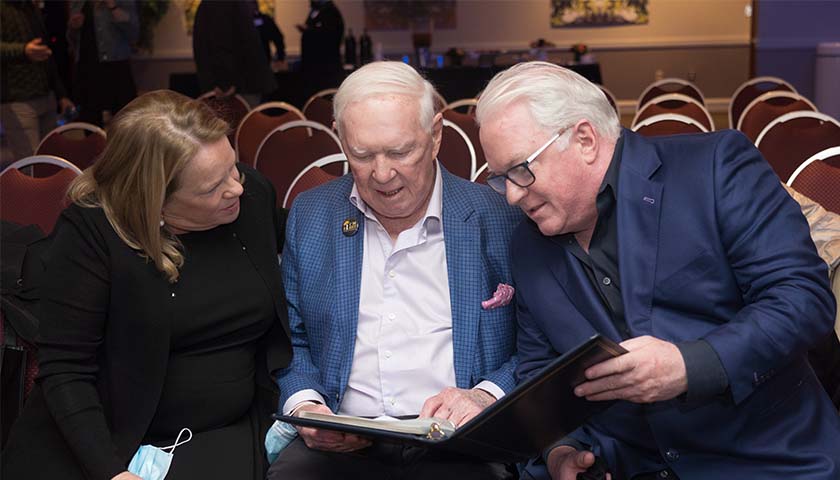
649, 200
350, 227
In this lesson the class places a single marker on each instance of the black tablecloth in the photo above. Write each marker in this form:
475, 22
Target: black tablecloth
454, 83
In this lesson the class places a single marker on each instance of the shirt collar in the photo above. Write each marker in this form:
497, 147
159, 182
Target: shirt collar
433, 211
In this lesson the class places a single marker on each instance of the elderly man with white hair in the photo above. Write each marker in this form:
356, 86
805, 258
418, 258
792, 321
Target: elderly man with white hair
385, 273
688, 251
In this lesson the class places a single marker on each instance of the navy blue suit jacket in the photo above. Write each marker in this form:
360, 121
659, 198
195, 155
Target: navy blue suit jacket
322, 274
710, 247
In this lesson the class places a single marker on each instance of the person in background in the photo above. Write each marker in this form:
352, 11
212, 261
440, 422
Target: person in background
386, 270
101, 34
228, 55
161, 308
687, 250
31, 91
321, 37
270, 34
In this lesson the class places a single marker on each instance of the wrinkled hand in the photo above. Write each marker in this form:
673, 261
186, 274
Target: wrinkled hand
36, 51
328, 440
76, 20
564, 463
652, 371
126, 476
457, 405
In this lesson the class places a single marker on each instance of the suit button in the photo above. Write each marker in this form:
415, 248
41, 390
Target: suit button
672, 455
606, 281
664, 474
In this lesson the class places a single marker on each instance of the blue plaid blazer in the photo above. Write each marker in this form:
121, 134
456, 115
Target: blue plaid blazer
322, 272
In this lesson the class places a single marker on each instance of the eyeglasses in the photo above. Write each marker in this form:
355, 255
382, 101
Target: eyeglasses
520, 175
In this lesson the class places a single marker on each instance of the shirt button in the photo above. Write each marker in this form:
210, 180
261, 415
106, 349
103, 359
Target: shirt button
391, 316
672, 455
392, 401
387, 354
392, 274
664, 474
606, 281
173, 294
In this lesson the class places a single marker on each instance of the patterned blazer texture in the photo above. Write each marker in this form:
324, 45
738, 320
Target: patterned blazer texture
322, 270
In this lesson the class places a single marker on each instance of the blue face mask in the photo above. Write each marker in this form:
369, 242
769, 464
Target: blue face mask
278, 437
152, 463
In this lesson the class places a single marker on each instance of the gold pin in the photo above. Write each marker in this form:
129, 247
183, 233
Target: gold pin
350, 227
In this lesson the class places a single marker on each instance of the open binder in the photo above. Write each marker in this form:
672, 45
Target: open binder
519, 426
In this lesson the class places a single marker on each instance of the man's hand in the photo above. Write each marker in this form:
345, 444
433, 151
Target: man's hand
456, 404
36, 51
564, 463
328, 440
652, 371
65, 104
126, 476
76, 20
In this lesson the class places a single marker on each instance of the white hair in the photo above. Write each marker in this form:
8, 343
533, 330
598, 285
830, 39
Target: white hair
386, 78
556, 97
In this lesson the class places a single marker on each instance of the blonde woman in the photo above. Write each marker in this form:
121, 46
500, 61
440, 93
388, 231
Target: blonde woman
162, 307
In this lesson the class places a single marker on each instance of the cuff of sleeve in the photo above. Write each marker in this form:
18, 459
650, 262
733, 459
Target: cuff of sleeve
307, 395
567, 441
704, 371
491, 388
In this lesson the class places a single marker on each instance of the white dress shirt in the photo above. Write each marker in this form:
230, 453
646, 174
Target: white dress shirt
403, 353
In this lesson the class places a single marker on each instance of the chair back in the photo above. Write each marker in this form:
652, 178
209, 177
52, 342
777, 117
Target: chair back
668, 124
819, 180
79, 143
291, 147
320, 110
794, 137
610, 98
312, 176
258, 123
480, 175
35, 200
751, 89
670, 85
231, 109
456, 153
675, 103
767, 107
463, 106
466, 122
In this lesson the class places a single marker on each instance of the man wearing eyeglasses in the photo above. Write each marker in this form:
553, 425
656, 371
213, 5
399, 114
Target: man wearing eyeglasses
688, 251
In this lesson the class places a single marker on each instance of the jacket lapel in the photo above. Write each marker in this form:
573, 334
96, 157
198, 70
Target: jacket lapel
348, 280
462, 238
639, 205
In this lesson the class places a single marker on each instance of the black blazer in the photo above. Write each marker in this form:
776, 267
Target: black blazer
104, 343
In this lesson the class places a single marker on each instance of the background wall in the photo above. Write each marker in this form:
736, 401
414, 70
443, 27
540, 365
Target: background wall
706, 40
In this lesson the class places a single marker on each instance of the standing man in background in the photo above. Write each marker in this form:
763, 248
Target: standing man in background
322, 34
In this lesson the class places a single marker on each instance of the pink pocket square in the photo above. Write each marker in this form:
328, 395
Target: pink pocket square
501, 297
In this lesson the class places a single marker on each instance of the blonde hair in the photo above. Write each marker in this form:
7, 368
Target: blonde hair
556, 97
386, 78
149, 143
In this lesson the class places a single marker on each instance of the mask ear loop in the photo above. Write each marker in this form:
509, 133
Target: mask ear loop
178, 441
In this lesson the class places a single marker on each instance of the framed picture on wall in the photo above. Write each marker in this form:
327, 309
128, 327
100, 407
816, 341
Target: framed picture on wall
598, 13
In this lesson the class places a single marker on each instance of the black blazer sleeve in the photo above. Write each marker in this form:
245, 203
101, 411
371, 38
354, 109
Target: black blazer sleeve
74, 317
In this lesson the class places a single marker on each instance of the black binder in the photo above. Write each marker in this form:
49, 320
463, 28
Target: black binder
530, 418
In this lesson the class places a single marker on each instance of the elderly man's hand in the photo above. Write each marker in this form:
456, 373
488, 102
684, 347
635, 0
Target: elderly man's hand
328, 440
653, 370
564, 463
457, 404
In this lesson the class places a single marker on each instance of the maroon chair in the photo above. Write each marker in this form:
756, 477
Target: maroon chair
670, 85
481, 174
79, 143
819, 180
668, 124
750, 90
795, 137
677, 104
38, 201
258, 123
231, 109
769, 106
319, 107
466, 122
457, 152
610, 98
290, 148
312, 176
